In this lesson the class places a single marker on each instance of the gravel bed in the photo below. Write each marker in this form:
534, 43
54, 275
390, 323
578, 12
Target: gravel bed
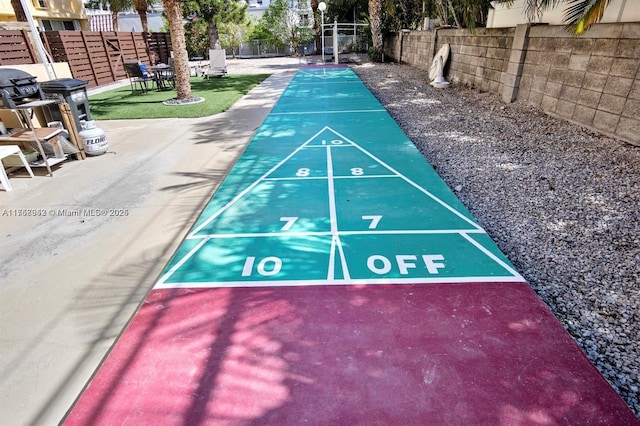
562, 202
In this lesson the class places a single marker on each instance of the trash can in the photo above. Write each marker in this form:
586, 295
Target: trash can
74, 93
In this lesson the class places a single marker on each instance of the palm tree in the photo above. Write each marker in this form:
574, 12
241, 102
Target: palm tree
375, 20
316, 23
173, 9
116, 6
141, 7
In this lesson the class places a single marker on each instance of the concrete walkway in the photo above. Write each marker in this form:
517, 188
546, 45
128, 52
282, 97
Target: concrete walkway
103, 230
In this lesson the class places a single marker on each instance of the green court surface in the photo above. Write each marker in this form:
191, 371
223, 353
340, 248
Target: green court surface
331, 191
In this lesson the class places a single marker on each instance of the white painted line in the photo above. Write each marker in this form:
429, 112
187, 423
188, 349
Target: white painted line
324, 146
367, 177
355, 111
297, 178
343, 261
415, 232
412, 183
388, 281
263, 235
181, 262
493, 257
332, 260
329, 233
250, 187
333, 217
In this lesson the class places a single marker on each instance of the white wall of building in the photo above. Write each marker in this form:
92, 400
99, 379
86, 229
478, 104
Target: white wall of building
502, 16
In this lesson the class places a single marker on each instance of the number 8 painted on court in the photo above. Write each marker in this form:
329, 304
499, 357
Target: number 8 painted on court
303, 172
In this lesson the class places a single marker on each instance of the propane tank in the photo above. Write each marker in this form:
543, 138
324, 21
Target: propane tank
93, 138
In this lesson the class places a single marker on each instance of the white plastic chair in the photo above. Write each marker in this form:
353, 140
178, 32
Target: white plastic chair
6, 151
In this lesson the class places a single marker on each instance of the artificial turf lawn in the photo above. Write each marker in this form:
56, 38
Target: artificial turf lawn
219, 95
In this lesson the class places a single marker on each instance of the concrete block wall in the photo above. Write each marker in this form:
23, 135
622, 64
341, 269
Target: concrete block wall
417, 48
592, 80
478, 60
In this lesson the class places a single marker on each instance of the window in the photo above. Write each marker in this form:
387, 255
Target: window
40, 4
55, 25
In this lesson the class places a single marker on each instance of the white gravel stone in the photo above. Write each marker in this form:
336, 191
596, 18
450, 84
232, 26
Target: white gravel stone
562, 202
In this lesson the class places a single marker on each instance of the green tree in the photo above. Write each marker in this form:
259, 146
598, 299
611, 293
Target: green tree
460, 13
196, 37
348, 10
273, 23
232, 34
280, 26
214, 12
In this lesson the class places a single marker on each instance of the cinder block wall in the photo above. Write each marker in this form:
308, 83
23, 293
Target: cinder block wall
592, 80
478, 60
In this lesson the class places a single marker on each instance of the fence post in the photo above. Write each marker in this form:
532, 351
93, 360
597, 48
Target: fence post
32, 53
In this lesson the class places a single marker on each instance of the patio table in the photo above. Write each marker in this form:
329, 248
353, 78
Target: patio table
164, 76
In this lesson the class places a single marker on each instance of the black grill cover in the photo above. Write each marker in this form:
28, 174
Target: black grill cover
17, 86
62, 85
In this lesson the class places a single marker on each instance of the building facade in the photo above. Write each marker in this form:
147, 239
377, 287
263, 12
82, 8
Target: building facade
49, 14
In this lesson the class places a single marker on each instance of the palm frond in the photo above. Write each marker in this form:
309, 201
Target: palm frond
581, 14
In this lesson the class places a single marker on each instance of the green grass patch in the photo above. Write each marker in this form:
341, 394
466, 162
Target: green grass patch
219, 95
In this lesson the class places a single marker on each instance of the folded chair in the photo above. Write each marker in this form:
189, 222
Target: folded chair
217, 63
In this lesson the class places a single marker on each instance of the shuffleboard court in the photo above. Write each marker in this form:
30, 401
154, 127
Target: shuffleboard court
329, 172
335, 279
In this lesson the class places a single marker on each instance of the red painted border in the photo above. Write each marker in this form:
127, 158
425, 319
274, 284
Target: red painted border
390, 354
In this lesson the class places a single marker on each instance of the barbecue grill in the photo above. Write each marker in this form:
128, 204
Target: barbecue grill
18, 87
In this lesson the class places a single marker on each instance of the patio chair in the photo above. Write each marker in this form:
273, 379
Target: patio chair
217, 63
138, 75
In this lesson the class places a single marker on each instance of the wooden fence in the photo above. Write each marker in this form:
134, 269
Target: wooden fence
93, 56
16, 48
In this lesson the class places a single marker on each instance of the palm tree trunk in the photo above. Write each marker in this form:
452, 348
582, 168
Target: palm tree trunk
144, 21
214, 37
141, 7
18, 11
316, 23
375, 18
114, 20
179, 46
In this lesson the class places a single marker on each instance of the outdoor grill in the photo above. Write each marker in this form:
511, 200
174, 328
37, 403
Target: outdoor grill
18, 87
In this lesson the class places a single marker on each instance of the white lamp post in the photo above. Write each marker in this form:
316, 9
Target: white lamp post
322, 6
